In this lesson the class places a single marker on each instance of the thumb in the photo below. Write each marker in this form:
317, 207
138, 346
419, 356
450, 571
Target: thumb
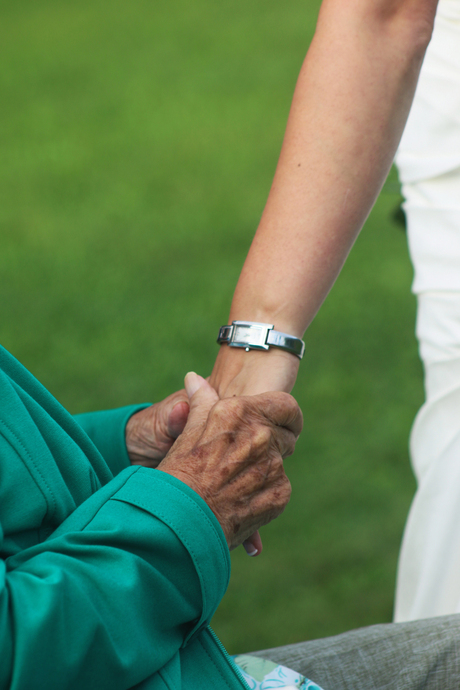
176, 418
202, 397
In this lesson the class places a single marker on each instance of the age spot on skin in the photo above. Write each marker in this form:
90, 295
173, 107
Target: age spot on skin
224, 471
198, 452
231, 437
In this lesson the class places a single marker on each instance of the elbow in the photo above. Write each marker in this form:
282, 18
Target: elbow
411, 22
419, 31
405, 25
416, 38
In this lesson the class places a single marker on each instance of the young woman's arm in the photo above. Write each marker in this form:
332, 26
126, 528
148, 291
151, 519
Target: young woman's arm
350, 105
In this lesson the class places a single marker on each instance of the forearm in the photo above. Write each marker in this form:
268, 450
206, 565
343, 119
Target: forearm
113, 593
350, 105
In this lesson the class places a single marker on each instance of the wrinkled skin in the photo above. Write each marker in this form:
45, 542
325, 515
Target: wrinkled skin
231, 453
151, 432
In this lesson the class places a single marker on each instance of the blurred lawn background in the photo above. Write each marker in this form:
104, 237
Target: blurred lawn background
137, 145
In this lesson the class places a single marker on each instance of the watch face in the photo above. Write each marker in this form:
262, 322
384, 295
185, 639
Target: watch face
250, 335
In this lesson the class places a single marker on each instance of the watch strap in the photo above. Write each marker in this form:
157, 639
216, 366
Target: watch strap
286, 342
252, 335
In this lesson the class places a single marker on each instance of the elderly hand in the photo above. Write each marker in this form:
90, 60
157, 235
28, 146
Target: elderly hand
231, 453
151, 432
237, 372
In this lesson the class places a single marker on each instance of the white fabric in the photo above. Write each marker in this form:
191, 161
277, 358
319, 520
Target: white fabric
429, 568
429, 166
429, 159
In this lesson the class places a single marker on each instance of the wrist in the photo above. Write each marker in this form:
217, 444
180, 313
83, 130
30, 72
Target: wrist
280, 318
237, 372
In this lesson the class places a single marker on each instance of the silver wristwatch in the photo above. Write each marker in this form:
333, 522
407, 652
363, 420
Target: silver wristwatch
259, 336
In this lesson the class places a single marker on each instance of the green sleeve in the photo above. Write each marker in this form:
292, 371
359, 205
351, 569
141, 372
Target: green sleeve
106, 430
113, 594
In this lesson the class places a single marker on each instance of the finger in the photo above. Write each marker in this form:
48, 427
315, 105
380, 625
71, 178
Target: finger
177, 418
284, 441
202, 398
171, 416
280, 409
253, 544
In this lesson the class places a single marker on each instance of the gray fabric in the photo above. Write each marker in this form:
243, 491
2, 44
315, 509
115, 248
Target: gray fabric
420, 655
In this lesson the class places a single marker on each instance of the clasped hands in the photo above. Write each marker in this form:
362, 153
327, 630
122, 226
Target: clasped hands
229, 451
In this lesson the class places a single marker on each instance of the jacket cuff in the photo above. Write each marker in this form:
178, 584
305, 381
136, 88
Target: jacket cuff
193, 522
106, 430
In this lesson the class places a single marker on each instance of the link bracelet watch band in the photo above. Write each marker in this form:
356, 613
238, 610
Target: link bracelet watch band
259, 336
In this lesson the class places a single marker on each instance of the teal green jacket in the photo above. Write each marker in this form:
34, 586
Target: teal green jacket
109, 574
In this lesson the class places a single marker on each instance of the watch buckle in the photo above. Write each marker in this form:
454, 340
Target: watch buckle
250, 335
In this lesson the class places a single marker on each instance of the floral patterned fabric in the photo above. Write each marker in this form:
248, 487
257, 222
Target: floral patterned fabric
261, 674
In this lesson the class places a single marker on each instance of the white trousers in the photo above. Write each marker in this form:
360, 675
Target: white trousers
428, 159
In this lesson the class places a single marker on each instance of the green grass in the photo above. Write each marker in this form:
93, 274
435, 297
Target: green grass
137, 145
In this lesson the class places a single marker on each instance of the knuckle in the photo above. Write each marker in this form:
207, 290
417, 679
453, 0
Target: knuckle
284, 400
284, 397
282, 494
261, 437
219, 409
287, 488
289, 445
234, 403
292, 406
289, 401
277, 464
227, 411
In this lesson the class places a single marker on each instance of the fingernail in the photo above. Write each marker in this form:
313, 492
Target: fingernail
192, 383
250, 548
